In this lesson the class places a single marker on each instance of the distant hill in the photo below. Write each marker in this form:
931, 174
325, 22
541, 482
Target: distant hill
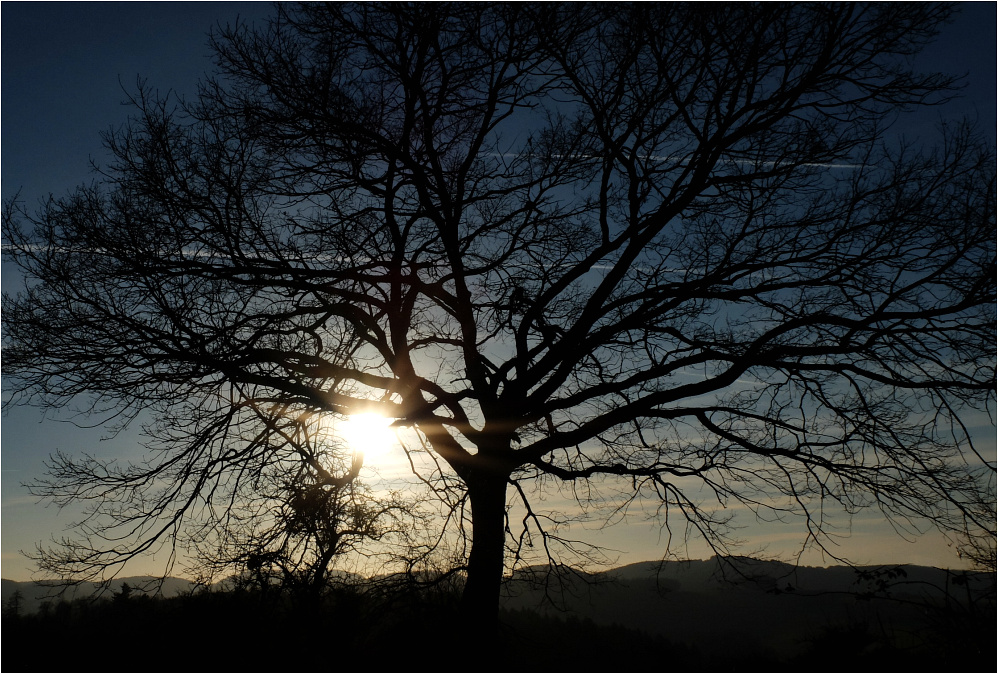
34, 594
741, 602
746, 604
655, 582
773, 576
719, 614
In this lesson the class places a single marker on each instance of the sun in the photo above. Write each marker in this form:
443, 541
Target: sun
369, 433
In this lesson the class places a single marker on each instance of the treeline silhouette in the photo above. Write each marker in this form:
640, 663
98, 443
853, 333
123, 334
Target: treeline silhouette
350, 630
346, 631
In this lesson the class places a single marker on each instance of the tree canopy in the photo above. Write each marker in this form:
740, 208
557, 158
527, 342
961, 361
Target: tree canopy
670, 251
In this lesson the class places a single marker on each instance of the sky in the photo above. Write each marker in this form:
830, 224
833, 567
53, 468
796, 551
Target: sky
64, 72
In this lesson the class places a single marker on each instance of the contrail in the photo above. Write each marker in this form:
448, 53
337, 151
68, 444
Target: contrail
665, 158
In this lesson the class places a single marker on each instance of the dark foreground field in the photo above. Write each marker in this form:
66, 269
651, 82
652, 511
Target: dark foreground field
682, 619
235, 633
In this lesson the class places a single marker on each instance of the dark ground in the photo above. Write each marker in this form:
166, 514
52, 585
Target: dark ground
240, 631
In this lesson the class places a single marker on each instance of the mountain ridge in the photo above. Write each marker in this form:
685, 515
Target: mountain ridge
756, 610
535, 583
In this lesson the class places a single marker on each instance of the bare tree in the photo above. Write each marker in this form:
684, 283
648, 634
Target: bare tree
662, 253
305, 512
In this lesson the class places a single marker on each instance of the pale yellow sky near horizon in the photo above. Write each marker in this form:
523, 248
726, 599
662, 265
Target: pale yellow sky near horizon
869, 541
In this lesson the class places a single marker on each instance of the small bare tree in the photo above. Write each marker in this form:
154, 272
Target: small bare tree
302, 515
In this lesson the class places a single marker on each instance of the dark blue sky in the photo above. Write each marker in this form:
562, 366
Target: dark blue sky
63, 67
62, 62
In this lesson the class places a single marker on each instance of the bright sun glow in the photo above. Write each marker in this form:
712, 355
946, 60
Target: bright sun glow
368, 433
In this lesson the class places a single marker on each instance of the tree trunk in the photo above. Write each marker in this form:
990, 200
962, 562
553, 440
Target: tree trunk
480, 600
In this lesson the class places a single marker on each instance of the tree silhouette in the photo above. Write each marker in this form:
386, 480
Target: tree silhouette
13, 607
661, 253
124, 594
302, 513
